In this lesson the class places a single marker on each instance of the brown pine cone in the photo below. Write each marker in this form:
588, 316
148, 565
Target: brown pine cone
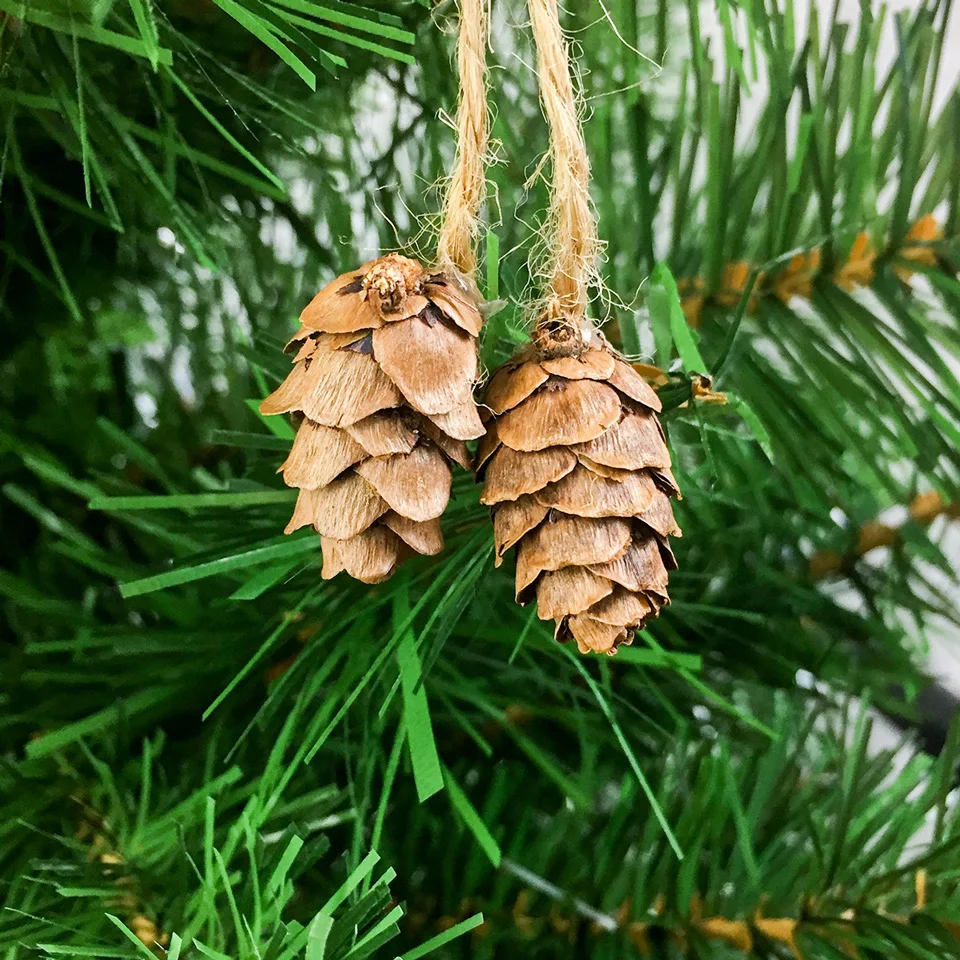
576, 470
383, 376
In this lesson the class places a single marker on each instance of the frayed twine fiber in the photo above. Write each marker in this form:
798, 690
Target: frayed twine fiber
468, 185
574, 247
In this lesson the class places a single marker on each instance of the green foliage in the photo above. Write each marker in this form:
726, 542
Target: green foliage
200, 733
233, 865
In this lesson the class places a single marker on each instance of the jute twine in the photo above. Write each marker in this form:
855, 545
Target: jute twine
571, 229
457, 244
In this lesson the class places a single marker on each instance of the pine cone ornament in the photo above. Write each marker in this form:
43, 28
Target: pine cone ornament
576, 470
383, 376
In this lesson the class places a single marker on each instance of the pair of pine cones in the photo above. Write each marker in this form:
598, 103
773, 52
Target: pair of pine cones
573, 460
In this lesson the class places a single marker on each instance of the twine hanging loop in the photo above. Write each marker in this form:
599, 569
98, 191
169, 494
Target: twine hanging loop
571, 229
457, 243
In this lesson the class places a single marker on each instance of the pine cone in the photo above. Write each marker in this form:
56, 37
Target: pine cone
576, 470
383, 375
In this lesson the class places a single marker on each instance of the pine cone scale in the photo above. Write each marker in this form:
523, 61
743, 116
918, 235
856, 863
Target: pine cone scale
344, 508
639, 568
621, 607
659, 517
511, 474
588, 494
631, 384
458, 307
286, 398
562, 412
514, 519
592, 365
343, 386
319, 455
383, 433
461, 423
633, 443
415, 485
454, 450
489, 444
511, 385
561, 593
595, 634
433, 365
422, 536
574, 541
370, 556
356, 320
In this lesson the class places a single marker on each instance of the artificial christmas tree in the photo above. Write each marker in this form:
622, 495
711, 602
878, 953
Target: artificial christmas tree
209, 751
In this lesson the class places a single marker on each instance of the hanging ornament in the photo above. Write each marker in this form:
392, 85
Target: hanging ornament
383, 375
574, 462
576, 470
384, 368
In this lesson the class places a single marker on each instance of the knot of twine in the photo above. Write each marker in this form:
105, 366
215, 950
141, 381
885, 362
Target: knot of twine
571, 226
457, 242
